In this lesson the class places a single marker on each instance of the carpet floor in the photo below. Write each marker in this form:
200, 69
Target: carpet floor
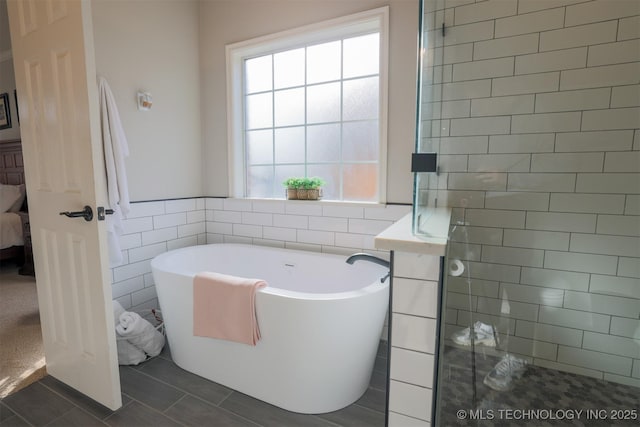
21, 351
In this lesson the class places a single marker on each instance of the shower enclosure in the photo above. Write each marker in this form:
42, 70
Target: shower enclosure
533, 111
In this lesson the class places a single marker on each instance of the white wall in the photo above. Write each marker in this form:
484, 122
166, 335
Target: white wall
153, 46
175, 50
224, 22
540, 158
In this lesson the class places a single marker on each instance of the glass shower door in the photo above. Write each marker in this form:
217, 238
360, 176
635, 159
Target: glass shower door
428, 122
537, 139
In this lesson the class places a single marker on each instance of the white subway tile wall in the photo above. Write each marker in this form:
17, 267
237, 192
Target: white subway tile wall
155, 227
413, 337
542, 169
150, 229
316, 226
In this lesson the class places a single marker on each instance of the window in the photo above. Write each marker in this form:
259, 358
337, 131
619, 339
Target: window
311, 102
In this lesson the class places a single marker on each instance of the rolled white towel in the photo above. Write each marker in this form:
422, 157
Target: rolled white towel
140, 333
128, 354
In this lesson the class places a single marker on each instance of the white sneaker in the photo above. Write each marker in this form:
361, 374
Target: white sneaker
501, 376
484, 334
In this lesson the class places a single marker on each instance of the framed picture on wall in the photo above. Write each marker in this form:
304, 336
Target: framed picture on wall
5, 115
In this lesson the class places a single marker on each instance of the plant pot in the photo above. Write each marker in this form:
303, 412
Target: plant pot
313, 194
292, 193
303, 194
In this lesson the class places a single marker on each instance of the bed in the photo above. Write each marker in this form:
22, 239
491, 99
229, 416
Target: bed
13, 202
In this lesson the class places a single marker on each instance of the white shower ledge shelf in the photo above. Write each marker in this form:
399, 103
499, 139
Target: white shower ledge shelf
399, 236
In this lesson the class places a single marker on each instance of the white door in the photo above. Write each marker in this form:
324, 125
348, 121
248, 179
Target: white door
52, 42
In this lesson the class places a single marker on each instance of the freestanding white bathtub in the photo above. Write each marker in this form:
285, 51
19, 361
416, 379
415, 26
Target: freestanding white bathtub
320, 322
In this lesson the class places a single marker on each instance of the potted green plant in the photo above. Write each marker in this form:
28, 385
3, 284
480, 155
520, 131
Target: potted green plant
292, 184
304, 188
310, 188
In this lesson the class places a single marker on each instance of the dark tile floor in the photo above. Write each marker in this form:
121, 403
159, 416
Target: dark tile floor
538, 389
158, 393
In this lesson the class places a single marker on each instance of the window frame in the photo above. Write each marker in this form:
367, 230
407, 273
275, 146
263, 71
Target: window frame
346, 26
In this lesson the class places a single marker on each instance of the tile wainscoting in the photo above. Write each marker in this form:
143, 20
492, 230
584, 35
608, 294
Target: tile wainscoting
150, 229
159, 226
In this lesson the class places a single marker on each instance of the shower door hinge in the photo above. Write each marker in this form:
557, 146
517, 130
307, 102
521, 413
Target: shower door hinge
424, 162
443, 29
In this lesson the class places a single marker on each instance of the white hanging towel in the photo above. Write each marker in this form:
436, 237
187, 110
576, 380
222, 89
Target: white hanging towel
115, 147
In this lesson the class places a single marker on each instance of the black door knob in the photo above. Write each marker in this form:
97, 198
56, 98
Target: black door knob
86, 213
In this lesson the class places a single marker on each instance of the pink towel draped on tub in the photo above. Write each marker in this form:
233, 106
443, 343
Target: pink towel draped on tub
224, 307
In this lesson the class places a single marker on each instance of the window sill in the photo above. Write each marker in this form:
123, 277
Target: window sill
331, 203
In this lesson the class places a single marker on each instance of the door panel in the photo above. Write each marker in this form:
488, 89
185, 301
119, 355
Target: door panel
64, 168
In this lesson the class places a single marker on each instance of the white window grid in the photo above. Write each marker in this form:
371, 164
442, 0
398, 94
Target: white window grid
340, 162
375, 20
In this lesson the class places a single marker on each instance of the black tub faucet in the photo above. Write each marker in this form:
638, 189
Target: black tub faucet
367, 257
